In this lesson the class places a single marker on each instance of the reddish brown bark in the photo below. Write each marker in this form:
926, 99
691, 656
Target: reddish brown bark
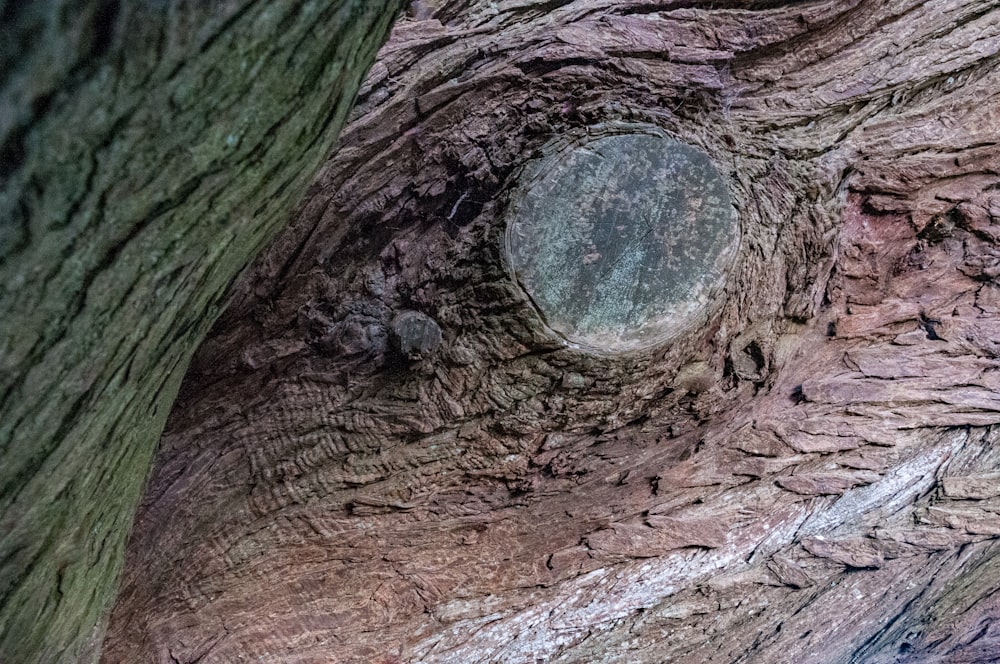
809, 476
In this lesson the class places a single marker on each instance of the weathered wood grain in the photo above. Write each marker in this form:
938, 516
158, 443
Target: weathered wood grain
621, 238
799, 479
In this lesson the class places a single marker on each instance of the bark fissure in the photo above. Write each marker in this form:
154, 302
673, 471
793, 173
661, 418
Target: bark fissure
128, 224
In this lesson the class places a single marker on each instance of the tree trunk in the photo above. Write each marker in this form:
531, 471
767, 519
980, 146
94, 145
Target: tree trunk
147, 152
386, 452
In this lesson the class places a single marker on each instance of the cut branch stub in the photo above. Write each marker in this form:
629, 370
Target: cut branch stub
621, 241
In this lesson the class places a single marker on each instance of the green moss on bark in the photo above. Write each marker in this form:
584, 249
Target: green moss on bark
150, 152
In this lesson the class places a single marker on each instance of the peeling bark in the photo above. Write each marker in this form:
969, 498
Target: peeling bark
804, 477
147, 152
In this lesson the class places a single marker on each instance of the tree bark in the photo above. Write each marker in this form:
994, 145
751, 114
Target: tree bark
147, 152
808, 475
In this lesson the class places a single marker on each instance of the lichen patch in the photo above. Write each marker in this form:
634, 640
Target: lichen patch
620, 242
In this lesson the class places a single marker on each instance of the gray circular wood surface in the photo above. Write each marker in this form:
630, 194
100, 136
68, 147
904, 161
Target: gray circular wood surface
619, 242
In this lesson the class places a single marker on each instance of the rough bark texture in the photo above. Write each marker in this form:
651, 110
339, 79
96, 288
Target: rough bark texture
148, 150
810, 476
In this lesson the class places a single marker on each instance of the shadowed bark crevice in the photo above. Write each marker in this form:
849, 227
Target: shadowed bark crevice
148, 151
